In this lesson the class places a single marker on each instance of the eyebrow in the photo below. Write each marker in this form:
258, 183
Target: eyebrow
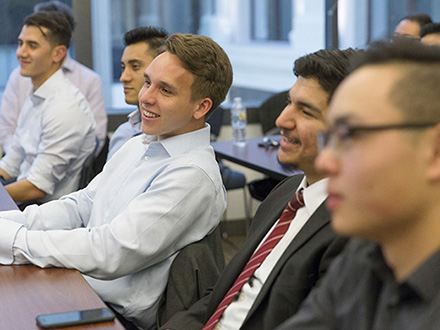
135, 61
311, 107
162, 83
345, 119
29, 42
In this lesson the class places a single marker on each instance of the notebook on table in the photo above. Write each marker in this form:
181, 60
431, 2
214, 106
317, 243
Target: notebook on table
6, 202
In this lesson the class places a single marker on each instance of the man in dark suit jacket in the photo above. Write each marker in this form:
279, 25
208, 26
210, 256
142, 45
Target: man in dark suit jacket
292, 270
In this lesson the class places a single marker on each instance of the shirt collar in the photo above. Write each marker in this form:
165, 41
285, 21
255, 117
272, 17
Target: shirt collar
68, 64
420, 281
134, 117
182, 143
315, 194
47, 88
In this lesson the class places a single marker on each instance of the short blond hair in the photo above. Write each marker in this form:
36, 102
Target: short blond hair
207, 61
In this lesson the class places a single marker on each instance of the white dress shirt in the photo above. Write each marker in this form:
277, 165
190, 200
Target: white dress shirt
17, 88
125, 132
124, 229
54, 136
236, 312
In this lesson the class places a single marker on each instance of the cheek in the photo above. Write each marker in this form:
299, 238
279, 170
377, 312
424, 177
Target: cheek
309, 140
139, 80
373, 193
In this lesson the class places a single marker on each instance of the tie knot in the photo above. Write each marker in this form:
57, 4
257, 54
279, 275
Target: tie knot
297, 201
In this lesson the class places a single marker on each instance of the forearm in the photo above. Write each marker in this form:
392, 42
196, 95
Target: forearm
4, 174
23, 191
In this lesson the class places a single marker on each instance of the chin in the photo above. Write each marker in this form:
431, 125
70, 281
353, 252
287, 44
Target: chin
341, 225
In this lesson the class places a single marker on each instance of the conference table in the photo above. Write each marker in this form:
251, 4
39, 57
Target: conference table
259, 154
28, 291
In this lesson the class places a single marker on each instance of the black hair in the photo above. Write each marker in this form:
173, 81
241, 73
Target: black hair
60, 30
328, 67
429, 29
153, 36
421, 19
415, 91
58, 6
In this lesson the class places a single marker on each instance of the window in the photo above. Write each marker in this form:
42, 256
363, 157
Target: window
271, 19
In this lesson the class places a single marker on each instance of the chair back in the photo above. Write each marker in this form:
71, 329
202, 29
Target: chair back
93, 165
269, 111
195, 269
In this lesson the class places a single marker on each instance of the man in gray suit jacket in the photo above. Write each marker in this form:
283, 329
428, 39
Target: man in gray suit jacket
283, 280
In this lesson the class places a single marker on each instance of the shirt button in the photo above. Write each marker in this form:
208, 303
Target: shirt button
241, 297
146, 158
217, 326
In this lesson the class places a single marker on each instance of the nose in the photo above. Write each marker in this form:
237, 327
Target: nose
125, 76
327, 163
146, 95
286, 119
21, 51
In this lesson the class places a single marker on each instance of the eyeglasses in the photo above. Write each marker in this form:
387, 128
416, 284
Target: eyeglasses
343, 132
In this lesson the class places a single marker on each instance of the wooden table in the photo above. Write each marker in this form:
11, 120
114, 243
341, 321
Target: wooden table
261, 159
28, 291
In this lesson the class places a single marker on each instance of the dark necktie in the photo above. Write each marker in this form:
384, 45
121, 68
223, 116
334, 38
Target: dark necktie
256, 260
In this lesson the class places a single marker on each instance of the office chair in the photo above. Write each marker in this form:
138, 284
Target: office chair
231, 179
93, 165
267, 113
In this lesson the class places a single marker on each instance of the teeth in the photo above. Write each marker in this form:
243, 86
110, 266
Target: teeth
149, 114
293, 141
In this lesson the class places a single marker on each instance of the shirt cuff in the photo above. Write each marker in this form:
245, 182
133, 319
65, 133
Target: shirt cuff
8, 232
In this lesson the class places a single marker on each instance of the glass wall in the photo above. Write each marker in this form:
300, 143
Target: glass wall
261, 37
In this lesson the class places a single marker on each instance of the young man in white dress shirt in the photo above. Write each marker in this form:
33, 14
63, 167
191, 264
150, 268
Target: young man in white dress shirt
55, 131
160, 192
85, 79
141, 47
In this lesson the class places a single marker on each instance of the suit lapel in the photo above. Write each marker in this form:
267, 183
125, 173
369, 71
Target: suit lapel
320, 218
268, 212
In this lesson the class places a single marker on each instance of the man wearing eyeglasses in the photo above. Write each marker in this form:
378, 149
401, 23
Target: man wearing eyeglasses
382, 157
283, 279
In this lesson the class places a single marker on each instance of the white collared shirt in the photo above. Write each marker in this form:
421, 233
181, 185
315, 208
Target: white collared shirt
54, 136
18, 87
125, 228
236, 312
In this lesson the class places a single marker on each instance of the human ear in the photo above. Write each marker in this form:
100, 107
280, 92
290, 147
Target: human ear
58, 53
203, 108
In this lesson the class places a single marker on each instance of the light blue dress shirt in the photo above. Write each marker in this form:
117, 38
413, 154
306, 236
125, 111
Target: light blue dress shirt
124, 132
125, 228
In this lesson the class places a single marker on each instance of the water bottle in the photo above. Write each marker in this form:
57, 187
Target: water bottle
238, 122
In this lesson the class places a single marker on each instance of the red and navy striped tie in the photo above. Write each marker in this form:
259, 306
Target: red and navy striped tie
256, 260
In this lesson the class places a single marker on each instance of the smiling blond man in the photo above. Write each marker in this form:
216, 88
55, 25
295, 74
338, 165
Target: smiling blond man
160, 192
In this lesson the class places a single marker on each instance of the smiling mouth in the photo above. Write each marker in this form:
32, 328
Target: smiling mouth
150, 114
293, 141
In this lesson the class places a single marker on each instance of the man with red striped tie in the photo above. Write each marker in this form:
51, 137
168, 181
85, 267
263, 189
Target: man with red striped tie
290, 243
